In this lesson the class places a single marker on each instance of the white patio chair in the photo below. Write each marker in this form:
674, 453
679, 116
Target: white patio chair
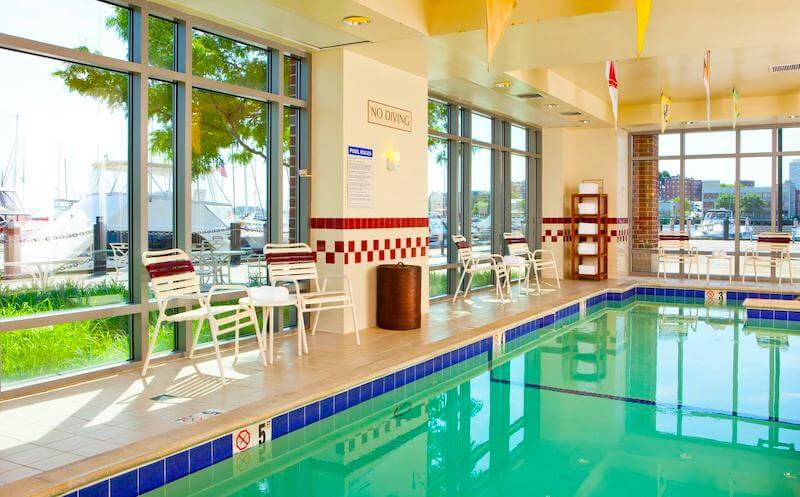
519, 257
772, 250
545, 260
474, 263
119, 256
206, 265
295, 264
173, 278
675, 247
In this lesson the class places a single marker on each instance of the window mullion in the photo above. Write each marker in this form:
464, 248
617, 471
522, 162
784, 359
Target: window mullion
137, 181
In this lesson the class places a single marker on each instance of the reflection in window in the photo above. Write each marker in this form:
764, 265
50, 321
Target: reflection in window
291, 76
789, 139
222, 59
289, 188
229, 185
519, 194
438, 283
709, 142
161, 166
88, 25
481, 128
755, 140
789, 185
481, 200
64, 130
161, 43
519, 138
710, 221
437, 116
670, 213
755, 205
669, 144
437, 200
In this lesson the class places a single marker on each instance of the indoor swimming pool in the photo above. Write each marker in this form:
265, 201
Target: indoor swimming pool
646, 398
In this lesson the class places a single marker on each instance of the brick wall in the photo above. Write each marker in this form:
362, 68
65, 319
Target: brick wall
644, 193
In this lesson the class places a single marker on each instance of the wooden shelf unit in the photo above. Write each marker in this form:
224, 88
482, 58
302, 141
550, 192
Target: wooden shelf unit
601, 238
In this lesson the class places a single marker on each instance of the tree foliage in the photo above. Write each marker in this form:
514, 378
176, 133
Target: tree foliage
752, 204
687, 205
724, 201
225, 129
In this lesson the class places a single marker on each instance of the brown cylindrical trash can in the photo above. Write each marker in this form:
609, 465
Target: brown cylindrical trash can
399, 297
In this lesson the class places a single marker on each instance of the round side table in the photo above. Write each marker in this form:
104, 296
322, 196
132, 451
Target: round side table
268, 298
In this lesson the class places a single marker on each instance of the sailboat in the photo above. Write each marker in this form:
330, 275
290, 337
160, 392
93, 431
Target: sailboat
212, 213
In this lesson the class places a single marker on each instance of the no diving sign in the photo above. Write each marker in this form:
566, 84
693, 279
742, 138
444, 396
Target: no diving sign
250, 436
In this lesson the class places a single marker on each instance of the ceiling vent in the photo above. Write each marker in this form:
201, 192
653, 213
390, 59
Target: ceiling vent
571, 113
529, 95
784, 68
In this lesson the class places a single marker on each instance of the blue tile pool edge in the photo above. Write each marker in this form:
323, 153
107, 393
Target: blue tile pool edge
156, 474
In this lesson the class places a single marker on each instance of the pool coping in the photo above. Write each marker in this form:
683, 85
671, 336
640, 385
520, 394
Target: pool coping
195, 447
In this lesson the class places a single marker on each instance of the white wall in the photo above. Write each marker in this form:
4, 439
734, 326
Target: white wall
342, 83
572, 155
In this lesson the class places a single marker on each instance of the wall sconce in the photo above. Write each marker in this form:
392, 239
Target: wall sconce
393, 160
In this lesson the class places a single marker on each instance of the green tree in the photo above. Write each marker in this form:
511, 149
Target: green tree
725, 201
225, 129
753, 205
437, 119
687, 205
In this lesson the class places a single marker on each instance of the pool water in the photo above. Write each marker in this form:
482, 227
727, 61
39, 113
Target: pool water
649, 399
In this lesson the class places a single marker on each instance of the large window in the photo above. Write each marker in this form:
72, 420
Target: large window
64, 185
86, 171
722, 187
229, 183
480, 200
480, 185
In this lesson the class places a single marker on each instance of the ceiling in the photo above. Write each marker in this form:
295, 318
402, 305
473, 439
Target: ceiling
557, 49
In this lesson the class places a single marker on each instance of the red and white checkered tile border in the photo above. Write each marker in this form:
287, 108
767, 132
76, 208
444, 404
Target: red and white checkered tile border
557, 229
374, 250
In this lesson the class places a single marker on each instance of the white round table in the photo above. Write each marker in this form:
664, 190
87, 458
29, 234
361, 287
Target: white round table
268, 298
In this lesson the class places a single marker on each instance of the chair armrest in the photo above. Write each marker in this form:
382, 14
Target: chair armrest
342, 277
225, 288
164, 303
292, 281
482, 258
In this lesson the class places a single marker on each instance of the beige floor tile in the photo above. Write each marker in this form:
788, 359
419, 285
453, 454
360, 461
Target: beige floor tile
33, 454
8, 466
94, 448
56, 461
17, 474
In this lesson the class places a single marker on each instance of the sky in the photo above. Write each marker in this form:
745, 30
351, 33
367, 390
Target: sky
56, 126
757, 169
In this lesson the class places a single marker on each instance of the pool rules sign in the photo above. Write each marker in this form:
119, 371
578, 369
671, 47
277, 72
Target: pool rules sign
359, 177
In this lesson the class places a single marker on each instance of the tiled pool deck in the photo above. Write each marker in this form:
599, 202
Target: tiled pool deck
62, 439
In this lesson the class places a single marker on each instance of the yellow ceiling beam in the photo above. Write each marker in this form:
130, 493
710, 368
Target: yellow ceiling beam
564, 90
453, 16
770, 108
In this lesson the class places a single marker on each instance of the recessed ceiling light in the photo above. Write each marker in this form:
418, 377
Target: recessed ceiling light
688, 123
356, 20
503, 84
550, 106
794, 116
585, 121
